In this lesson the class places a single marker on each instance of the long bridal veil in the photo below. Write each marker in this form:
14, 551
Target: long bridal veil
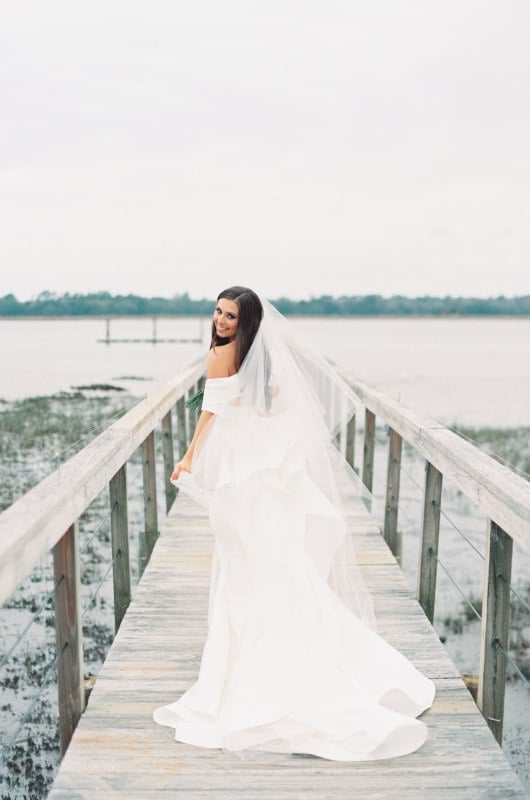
282, 414
292, 662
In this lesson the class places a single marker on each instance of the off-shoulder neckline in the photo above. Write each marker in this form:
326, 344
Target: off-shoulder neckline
225, 378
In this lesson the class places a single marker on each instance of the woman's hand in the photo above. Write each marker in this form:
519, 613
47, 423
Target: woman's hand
184, 465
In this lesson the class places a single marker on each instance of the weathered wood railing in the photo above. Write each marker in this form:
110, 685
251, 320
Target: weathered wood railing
45, 519
497, 491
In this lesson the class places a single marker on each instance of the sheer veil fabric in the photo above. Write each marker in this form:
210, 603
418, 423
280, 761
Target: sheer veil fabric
292, 662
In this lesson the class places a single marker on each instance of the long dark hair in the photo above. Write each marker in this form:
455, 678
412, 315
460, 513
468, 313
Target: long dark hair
250, 316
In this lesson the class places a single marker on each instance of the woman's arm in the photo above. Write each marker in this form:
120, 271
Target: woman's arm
220, 364
184, 464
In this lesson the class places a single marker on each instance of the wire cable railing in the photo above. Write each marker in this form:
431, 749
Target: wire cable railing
412, 524
492, 452
411, 478
135, 477
100, 584
446, 516
457, 529
460, 591
21, 636
415, 530
516, 593
6, 748
466, 539
105, 423
97, 529
511, 660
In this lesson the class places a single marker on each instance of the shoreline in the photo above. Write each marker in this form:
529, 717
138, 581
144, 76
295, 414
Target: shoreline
73, 317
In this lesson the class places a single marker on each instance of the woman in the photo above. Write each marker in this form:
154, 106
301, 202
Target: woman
292, 662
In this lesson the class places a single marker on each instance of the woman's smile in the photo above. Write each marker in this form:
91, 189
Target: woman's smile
226, 318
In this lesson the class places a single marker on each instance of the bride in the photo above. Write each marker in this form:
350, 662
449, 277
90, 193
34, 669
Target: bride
292, 662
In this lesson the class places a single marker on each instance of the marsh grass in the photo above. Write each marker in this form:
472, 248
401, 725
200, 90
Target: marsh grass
36, 435
519, 631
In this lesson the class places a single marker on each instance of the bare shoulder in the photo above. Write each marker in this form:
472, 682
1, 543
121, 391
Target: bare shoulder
221, 361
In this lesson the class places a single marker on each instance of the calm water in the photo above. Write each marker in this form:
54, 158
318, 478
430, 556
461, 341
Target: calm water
474, 371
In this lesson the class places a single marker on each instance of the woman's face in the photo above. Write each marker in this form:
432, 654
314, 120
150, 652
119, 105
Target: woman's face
226, 317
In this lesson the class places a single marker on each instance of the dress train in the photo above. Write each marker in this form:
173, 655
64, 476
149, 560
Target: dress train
286, 666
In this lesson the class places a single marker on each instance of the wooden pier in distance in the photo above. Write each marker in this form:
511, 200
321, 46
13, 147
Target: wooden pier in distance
155, 339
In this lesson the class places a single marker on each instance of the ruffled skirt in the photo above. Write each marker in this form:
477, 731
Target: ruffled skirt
286, 667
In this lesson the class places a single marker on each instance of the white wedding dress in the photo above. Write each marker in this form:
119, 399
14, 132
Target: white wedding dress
286, 667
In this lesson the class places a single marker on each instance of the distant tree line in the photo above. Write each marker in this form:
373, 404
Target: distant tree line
49, 304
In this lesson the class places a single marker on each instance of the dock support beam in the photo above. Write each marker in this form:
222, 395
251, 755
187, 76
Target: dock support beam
68, 634
368, 450
119, 527
390, 530
430, 529
182, 435
350, 442
169, 461
495, 628
150, 507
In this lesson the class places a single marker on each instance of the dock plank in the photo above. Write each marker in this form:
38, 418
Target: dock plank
118, 752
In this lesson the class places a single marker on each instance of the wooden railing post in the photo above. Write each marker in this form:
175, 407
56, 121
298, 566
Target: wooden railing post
390, 530
430, 529
150, 507
68, 634
169, 461
368, 449
495, 627
182, 434
350, 442
120, 544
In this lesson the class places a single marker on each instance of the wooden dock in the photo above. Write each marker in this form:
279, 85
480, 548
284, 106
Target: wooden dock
113, 749
117, 751
154, 339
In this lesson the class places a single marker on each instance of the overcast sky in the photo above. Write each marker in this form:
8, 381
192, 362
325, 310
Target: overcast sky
299, 147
